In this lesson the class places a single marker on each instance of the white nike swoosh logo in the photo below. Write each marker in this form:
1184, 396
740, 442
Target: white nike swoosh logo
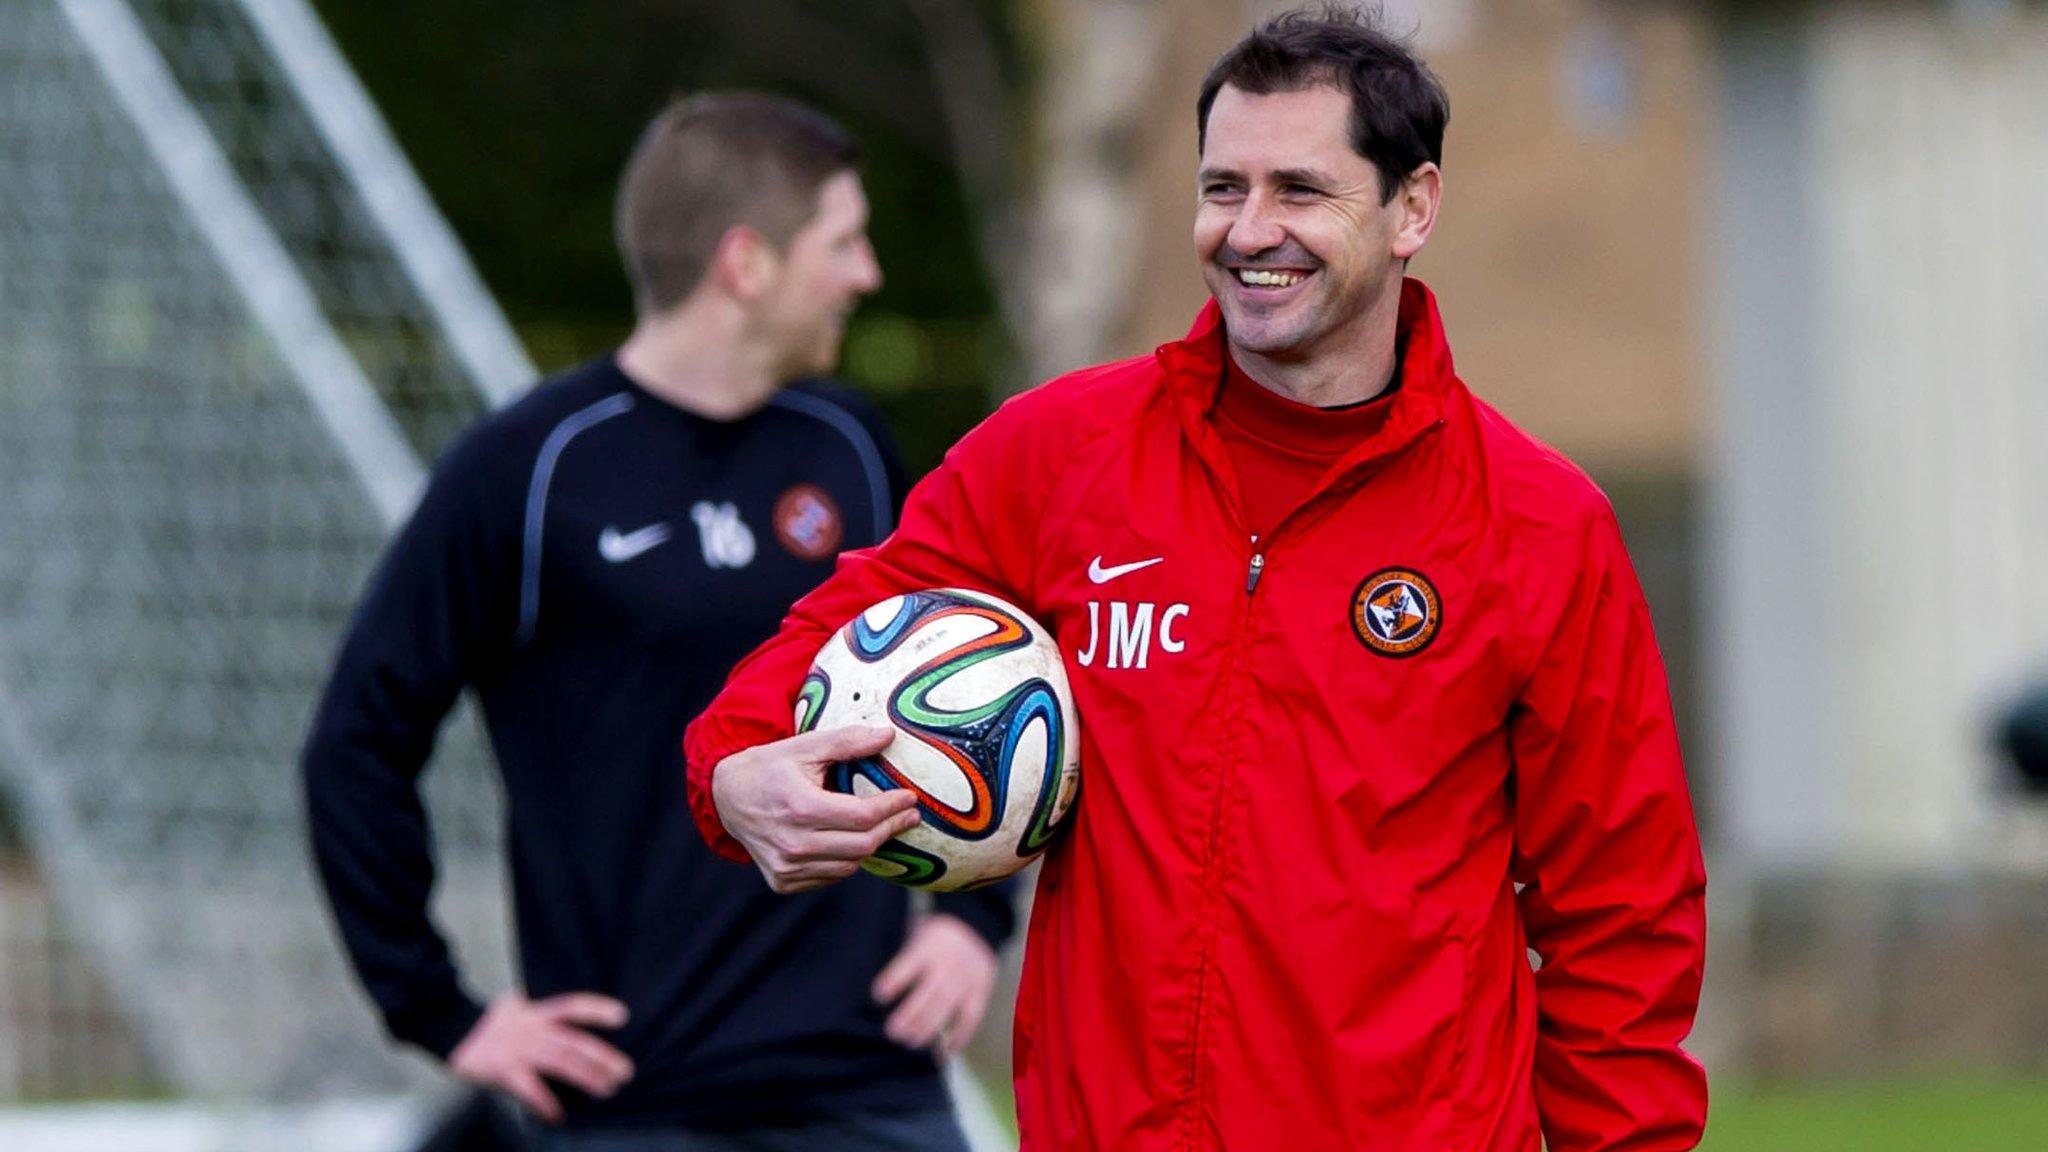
1100, 575
619, 547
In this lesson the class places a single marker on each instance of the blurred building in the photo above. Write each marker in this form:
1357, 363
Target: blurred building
1879, 532
1882, 389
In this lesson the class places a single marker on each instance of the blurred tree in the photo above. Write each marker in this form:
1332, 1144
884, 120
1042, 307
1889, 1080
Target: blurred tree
1059, 219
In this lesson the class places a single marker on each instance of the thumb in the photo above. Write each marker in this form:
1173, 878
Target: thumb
833, 745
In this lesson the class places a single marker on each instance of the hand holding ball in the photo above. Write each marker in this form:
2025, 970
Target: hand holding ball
986, 734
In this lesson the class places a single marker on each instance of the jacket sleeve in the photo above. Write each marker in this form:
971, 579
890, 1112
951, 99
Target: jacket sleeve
432, 611
1614, 896
968, 524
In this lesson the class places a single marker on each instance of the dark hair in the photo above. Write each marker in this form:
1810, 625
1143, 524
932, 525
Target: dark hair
712, 161
1398, 106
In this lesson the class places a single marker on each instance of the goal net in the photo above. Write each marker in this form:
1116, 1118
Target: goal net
231, 333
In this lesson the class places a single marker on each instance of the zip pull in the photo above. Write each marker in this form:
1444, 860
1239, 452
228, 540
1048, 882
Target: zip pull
1251, 579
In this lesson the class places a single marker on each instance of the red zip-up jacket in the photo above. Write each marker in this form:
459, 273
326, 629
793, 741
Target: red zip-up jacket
1335, 782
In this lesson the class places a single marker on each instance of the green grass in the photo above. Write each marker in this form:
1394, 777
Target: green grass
1922, 1115
1909, 1116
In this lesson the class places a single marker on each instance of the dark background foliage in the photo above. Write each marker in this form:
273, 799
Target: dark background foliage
518, 115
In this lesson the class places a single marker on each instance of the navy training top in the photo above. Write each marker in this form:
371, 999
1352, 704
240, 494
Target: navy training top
591, 561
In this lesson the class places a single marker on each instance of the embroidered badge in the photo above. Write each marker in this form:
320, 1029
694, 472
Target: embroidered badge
808, 523
1395, 612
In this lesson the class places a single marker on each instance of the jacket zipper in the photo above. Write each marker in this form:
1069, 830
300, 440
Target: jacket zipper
1212, 862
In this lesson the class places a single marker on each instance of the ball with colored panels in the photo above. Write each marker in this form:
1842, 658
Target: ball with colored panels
986, 734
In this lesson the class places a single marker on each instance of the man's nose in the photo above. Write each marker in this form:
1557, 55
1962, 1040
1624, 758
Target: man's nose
1257, 227
867, 274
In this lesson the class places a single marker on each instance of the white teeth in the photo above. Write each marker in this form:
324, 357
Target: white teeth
1261, 279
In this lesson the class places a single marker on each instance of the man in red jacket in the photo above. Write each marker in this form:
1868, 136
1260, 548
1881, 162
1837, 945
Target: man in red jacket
1371, 703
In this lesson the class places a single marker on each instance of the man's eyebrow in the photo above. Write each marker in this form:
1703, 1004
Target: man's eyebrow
1313, 176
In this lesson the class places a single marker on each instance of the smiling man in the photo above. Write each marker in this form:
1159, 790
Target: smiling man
1371, 702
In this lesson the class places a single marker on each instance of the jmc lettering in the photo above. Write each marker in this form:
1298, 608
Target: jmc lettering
1133, 629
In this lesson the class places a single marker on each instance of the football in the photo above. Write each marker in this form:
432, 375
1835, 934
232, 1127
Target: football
986, 733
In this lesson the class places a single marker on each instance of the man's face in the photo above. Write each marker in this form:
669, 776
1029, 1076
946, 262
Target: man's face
824, 271
1294, 242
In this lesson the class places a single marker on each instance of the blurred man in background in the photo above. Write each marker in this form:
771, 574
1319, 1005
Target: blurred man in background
591, 561
1371, 699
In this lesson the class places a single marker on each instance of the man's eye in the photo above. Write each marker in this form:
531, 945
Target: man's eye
1218, 189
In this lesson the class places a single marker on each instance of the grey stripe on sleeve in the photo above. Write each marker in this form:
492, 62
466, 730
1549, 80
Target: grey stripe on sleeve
537, 499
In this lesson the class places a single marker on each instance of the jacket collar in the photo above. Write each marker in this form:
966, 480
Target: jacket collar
1193, 368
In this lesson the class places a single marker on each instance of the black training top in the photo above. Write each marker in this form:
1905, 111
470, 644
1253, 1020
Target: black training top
591, 561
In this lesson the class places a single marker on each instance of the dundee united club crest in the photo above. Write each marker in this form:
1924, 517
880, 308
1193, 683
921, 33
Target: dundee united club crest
1395, 612
808, 523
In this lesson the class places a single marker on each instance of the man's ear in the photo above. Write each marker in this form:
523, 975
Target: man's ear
1414, 207
745, 263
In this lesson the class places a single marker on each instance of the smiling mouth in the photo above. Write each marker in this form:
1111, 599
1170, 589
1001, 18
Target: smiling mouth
1268, 277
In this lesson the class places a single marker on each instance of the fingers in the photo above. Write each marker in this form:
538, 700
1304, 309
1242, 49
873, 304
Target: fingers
579, 1059
916, 1021
838, 847
525, 1087
967, 1015
838, 812
519, 1045
943, 1012
914, 977
588, 1009
897, 976
799, 859
563, 1051
832, 745
805, 877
